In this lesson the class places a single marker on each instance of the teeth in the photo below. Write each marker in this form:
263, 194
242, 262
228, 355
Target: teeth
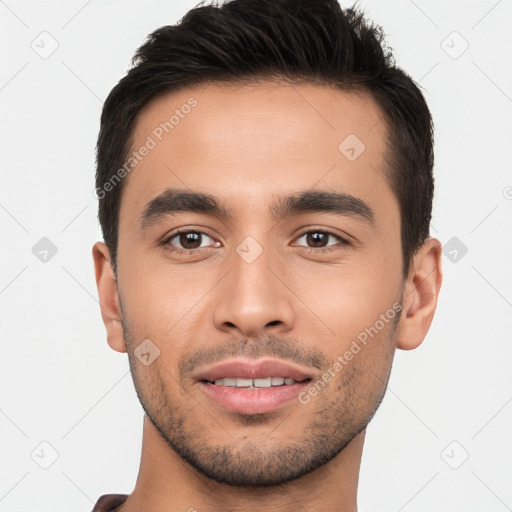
263, 383
255, 383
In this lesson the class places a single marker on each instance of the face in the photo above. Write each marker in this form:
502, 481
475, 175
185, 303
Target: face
291, 255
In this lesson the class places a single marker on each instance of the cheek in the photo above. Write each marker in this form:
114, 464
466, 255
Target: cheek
150, 384
158, 294
363, 361
348, 298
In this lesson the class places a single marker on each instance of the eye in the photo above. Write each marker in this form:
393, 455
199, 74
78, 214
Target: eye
319, 239
188, 241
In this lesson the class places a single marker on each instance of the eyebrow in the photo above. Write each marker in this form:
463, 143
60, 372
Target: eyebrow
173, 201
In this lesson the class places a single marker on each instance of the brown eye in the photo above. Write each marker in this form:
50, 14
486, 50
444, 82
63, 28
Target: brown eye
188, 241
319, 239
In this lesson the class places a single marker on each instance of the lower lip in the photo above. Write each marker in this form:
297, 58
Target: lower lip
253, 401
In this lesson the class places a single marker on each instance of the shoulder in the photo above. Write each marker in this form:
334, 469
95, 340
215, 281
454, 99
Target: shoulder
109, 502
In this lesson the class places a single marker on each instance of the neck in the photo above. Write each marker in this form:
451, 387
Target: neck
167, 482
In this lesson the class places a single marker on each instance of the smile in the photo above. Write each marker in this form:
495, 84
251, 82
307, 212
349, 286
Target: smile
266, 382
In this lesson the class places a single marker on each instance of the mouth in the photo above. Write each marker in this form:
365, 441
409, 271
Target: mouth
249, 387
261, 383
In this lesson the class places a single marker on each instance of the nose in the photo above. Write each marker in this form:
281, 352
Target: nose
252, 301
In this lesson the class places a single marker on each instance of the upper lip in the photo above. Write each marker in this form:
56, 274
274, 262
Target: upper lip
259, 369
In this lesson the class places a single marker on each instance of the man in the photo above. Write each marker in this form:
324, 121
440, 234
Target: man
265, 192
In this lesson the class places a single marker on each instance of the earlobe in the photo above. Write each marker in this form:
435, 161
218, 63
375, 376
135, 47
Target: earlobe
420, 295
108, 297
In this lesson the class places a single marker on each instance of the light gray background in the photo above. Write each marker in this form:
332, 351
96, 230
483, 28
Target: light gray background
60, 382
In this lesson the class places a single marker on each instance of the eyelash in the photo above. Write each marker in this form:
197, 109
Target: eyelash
189, 252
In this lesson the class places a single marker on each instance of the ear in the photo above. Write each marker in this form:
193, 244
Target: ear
109, 299
420, 295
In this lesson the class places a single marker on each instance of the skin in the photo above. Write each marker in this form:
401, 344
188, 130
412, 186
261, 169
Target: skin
294, 302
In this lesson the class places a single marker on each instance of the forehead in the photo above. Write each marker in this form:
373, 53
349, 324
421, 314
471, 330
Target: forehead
246, 143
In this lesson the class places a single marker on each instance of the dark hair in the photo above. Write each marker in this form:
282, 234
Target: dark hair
312, 41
